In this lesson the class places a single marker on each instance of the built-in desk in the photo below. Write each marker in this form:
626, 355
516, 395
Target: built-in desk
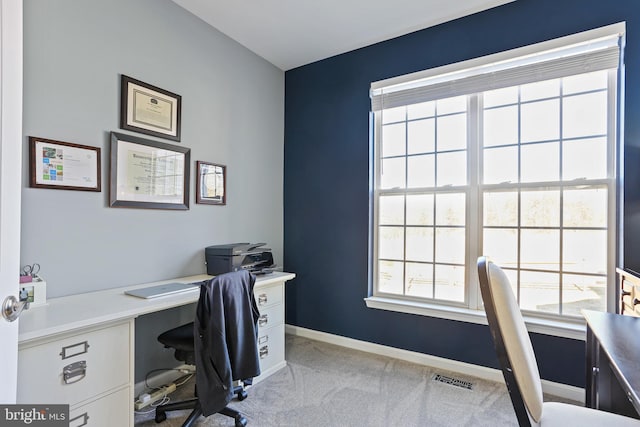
79, 349
613, 363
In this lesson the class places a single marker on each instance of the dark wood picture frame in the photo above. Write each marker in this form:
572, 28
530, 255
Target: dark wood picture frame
148, 109
211, 183
63, 165
148, 174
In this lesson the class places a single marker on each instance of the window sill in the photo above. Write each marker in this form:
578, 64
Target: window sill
576, 331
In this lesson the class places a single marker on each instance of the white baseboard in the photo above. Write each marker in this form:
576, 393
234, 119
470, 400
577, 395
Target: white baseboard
556, 389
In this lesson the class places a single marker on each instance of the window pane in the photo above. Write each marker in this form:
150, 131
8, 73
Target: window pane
583, 292
500, 126
452, 169
500, 165
391, 115
452, 105
540, 162
390, 242
584, 82
540, 121
450, 283
540, 291
501, 245
391, 210
424, 109
450, 209
584, 115
584, 158
585, 207
393, 140
422, 136
540, 208
420, 209
452, 132
390, 277
585, 251
540, 249
420, 244
450, 245
500, 208
422, 171
540, 90
392, 174
508, 95
419, 280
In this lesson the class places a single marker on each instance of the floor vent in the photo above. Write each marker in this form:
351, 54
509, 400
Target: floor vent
453, 381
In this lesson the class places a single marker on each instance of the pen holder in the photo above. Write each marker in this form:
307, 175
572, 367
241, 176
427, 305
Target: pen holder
36, 291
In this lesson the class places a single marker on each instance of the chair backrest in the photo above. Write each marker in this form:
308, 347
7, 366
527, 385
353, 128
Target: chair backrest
512, 343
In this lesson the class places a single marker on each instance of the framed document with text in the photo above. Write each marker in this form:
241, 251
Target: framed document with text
148, 109
63, 165
148, 174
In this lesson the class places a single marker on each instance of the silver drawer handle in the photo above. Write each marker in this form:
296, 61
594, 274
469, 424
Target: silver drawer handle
263, 339
85, 420
264, 351
263, 320
77, 369
262, 299
74, 349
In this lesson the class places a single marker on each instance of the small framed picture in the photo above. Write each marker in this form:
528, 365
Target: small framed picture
211, 183
63, 165
148, 109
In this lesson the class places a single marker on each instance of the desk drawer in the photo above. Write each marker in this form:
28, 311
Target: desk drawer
109, 411
270, 316
268, 296
76, 368
271, 347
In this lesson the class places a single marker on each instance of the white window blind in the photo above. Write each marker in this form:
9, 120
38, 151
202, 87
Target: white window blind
593, 55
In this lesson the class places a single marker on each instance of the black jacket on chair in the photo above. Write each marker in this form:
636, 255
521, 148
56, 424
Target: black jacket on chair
225, 330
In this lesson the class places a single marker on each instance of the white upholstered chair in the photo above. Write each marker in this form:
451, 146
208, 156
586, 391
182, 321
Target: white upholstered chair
518, 361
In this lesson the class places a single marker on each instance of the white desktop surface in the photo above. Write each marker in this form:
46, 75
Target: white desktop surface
63, 314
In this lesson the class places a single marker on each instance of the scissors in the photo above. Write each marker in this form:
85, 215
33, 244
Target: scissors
31, 269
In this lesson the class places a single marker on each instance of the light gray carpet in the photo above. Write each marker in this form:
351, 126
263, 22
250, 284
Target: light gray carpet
325, 385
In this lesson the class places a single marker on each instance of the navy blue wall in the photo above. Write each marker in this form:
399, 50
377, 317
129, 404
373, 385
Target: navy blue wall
326, 188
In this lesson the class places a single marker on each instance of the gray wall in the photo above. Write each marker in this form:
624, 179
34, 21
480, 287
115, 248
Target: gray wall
232, 113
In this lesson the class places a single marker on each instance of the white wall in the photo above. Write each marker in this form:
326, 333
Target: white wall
232, 113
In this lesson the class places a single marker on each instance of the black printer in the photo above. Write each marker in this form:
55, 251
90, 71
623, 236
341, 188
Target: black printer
238, 256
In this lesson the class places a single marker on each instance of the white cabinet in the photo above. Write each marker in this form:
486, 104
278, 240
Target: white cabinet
90, 369
270, 301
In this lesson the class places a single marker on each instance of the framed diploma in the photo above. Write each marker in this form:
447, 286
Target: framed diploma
148, 109
63, 165
148, 174
211, 184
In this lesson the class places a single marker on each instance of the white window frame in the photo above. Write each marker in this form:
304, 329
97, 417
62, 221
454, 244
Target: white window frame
566, 327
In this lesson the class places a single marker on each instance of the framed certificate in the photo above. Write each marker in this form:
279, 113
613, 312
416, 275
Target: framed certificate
63, 165
148, 174
148, 109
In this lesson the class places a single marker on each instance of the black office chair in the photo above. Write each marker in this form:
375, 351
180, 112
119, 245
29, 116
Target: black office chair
182, 340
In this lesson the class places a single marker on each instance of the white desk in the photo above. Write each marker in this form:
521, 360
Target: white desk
92, 335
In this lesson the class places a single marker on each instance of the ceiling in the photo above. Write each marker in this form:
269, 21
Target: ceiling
291, 33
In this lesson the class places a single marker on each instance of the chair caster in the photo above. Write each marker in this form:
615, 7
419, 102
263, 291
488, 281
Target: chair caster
160, 416
242, 395
240, 421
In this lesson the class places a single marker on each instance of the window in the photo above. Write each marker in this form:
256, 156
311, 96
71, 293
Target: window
510, 156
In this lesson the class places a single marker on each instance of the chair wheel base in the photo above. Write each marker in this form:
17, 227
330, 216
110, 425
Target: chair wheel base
242, 395
160, 416
241, 421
